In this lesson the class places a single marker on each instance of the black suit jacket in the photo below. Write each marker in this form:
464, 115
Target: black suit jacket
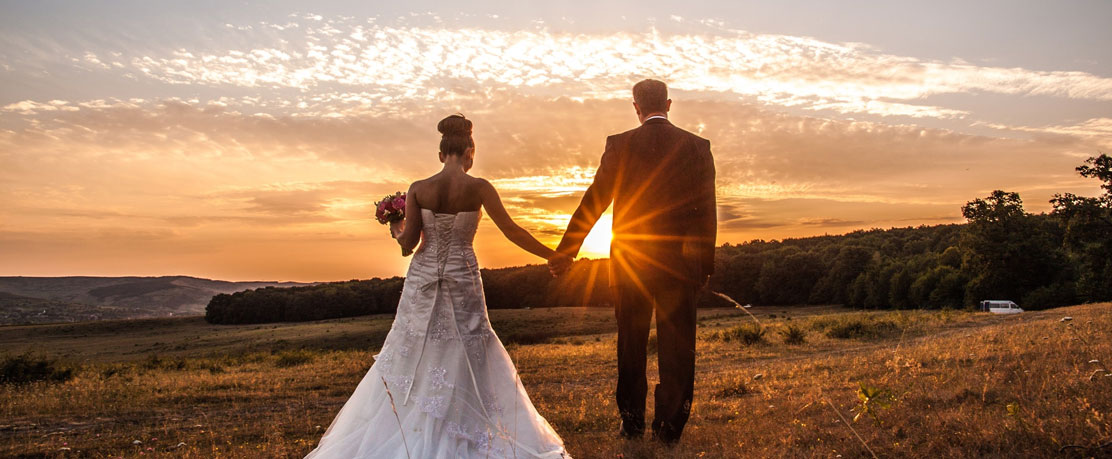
661, 181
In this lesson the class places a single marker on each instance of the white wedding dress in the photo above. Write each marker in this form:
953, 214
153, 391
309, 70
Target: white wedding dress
455, 389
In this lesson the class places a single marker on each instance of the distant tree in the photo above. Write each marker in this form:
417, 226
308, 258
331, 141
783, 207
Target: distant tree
878, 284
324, 301
1000, 207
789, 279
739, 277
1008, 252
1087, 223
849, 263
1100, 168
899, 287
951, 257
950, 291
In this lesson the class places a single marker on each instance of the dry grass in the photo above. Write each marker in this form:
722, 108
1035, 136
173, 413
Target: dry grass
940, 383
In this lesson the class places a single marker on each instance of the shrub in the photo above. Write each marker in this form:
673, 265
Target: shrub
747, 334
737, 389
793, 335
27, 368
861, 327
1050, 296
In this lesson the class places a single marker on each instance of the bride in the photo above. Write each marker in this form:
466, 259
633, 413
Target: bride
443, 386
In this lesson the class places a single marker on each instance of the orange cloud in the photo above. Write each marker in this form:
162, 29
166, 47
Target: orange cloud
282, 136
160, 187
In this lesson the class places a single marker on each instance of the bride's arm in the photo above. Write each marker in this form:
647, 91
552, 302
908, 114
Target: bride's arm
516, 234
411, 234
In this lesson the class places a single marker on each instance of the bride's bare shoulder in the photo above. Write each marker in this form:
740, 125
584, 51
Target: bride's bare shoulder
417, 189
423, 183
416, 185
480, 184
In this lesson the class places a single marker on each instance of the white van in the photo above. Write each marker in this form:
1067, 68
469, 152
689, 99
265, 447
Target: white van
1000, 307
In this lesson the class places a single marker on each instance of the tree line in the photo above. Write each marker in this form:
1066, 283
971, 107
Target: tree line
1001, 252
585, 284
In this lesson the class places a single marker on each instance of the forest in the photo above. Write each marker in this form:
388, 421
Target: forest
1041, 260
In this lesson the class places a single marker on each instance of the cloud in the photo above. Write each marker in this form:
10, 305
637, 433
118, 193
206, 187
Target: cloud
30, 107
285, 134
1098, 130
831, 222
409, 62
540, 153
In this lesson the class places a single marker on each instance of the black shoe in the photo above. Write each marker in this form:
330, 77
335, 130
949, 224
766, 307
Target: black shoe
666, 439
628, 433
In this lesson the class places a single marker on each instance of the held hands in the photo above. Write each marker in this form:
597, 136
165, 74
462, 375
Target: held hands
558, 264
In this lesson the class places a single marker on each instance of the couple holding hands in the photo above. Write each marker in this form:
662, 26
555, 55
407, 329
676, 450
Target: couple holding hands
443, 385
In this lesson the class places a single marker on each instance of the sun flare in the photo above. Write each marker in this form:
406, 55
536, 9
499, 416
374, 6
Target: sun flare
597, 243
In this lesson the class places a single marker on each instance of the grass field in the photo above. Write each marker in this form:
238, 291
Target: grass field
921, 383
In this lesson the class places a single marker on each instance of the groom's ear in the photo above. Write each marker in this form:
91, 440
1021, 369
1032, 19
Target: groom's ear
637, 109
667, 105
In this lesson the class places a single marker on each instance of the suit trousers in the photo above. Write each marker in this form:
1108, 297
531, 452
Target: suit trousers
674, 305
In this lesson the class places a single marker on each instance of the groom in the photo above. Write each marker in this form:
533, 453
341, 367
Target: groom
661, 181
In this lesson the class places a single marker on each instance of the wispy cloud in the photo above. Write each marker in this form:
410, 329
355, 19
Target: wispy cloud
271, 142
388, 63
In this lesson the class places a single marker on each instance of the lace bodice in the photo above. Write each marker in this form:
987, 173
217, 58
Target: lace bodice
447, 236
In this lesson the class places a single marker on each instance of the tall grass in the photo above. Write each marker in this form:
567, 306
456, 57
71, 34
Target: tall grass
857, 326
793, 334
747, 334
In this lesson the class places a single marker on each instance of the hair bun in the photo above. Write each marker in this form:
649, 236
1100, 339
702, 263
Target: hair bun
454, 125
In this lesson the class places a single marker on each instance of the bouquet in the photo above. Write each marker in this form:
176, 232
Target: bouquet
391, 211
391, 208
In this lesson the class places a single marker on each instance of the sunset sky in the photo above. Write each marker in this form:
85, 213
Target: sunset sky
248, 142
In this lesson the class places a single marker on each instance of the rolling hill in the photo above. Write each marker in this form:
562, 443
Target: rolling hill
26, 300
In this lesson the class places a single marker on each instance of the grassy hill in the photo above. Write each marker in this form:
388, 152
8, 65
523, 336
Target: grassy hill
83, 298
937, 383
16, 309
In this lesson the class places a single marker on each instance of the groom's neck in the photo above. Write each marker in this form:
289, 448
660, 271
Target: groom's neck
650, 115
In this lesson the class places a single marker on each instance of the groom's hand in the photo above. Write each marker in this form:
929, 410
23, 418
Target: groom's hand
559, 264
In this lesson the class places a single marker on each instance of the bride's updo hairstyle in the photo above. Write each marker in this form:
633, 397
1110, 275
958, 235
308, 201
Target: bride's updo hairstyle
455, 132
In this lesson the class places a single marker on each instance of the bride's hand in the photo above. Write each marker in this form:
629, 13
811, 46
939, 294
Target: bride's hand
558, 264
396, 228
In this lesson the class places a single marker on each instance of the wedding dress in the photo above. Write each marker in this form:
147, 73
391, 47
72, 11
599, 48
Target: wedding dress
455, 389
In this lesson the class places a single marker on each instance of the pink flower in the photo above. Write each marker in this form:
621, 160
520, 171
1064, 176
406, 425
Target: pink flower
391, 208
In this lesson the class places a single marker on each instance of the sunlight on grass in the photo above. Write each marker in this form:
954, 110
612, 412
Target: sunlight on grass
929, 382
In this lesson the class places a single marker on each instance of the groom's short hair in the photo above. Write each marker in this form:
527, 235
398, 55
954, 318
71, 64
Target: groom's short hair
651, 95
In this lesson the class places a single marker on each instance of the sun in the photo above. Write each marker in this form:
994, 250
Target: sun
597, 243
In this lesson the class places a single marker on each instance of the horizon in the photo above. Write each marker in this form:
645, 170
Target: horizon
250, 141
500, 267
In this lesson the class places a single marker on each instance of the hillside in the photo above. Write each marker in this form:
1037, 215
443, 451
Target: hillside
83, 298
937, 384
